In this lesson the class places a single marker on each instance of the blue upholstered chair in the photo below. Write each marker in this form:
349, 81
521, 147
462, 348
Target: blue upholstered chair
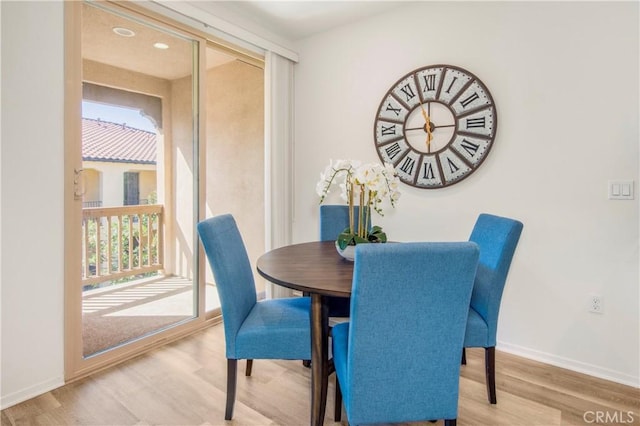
497, 238
398, 358
266, 329
333, 220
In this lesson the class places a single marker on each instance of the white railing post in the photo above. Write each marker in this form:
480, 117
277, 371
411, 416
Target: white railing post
104, 217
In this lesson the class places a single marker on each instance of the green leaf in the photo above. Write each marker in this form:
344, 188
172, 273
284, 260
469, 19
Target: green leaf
377, 236
359, 240
347, 238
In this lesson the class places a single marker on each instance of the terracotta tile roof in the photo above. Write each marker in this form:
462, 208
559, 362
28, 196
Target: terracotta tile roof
116, 143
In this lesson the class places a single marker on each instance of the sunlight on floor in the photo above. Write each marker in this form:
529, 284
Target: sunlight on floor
169, 296
118, 314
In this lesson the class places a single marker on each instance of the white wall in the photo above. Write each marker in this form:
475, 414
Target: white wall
564, 77
542, 63
32, 215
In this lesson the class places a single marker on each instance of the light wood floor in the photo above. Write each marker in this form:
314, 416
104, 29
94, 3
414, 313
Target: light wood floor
183, 383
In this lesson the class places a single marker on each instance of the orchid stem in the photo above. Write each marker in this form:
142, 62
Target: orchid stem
351, 225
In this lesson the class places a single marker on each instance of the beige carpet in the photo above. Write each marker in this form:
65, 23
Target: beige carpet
122, 313
101, 333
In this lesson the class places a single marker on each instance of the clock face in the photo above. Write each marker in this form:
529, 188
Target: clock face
436, 125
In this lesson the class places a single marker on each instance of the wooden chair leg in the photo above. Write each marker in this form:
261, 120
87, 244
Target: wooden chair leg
247, 371
450, 422
337, 409
232, 370
306, 362
490, 373
464, 357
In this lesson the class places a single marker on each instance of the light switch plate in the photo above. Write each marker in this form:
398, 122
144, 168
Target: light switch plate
621, 190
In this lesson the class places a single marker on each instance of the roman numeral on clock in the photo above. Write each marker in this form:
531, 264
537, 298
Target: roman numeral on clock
396, 111
452, 166
469, 99
407, 165
475, 122
470, 147
388, 130
451, 85
393, 150
427, 171
408, 92
429, 82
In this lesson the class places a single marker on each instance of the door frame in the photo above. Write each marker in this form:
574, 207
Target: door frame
76, 365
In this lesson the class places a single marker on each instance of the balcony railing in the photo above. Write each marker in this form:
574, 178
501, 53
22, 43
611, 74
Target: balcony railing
119, 242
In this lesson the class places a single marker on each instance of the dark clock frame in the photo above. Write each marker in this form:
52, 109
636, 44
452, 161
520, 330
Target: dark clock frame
456, 160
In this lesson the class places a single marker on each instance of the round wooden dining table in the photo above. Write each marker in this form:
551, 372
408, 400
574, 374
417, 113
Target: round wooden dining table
315, 268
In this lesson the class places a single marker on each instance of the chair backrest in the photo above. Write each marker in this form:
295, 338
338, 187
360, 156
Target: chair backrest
497, 238
334, 219
409, 307
232, 272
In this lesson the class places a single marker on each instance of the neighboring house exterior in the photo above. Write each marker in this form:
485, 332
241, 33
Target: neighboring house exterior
119, 164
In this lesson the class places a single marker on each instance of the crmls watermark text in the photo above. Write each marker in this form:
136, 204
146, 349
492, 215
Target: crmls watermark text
611, 417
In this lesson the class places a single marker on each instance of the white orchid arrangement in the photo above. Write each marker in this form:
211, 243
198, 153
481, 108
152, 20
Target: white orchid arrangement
370, 184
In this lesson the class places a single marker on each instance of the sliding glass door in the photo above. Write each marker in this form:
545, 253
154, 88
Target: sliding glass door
163, 128
235, 154
133, 275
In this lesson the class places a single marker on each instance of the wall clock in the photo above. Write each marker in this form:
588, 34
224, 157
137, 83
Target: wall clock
436, 125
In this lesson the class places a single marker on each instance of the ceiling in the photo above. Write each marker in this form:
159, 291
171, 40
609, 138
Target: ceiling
291, 20
295, 20
101, 44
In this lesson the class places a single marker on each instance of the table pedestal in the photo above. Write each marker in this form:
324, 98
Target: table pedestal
319, 358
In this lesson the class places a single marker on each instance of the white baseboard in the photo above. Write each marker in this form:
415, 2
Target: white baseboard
7, 401
570, 364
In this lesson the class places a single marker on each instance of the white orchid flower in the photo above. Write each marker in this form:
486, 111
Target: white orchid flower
375, 181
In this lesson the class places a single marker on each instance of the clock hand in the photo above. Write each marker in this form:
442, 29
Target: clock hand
444, 125
432, 126
424, 113
427, 127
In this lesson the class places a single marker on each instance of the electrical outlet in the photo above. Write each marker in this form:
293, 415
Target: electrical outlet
595, 304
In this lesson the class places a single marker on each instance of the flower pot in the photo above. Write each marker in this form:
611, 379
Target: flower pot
348, 253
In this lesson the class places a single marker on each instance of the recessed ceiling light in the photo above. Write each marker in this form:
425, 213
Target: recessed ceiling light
160, 45
124, 32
